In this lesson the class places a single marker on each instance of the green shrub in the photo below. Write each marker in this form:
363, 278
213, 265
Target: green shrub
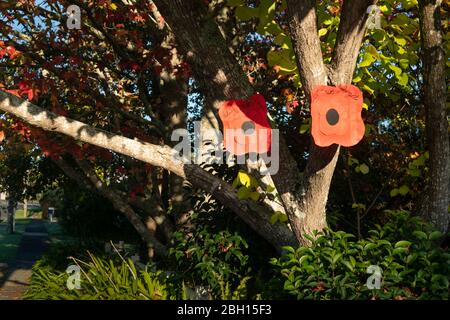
101, 279
214, 260
335, 266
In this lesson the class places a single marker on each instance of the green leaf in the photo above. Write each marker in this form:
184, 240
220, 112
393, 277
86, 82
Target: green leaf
303, 259
368, 89
384, 9
356, 79
288, 249
364, 168
403, 79
278, 216
272, 28
245, 13
351, 161
365, 105
368, 59
402, 244
304, 128
411, 258
235, 3
243, 193
245, 179
273, 219
372, 50
400, 41
394, 192
336, 258
420, 235
347, 264
283, 218
254, 195
399, 251
322, 32
397, 70
369, 246
403, 190
283, 41
435, 235
414, 172
284, 59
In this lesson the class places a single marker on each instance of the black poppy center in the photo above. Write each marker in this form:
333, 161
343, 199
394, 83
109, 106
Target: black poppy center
248, 127
332, 117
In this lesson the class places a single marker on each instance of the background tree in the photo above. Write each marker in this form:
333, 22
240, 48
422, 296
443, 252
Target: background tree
435, 206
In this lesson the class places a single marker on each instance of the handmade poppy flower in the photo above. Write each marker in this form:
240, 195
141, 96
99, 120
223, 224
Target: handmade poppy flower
245, 125
336, 115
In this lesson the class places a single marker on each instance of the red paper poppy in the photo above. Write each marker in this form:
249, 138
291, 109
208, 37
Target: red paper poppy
245, 125
336, 115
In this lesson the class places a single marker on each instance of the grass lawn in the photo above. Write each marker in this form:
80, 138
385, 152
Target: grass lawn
9, 243
20, 214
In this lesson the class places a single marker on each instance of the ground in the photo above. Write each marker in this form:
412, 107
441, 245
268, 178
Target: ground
9, 243
34, 241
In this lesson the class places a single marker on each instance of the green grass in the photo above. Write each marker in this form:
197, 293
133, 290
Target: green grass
20, 214
9, 243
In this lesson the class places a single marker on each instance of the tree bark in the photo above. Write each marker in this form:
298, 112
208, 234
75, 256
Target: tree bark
435, 205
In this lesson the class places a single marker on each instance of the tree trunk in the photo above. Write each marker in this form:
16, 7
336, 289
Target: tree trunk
306, 202
11, 215
221, 78
435, 205
25, 208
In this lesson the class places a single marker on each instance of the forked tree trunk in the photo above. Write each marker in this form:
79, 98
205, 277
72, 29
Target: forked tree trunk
307, 201
221, 78
436, 202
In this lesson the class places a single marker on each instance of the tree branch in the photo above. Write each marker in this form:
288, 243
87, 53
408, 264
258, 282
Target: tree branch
351, 32
161, 156
303, 27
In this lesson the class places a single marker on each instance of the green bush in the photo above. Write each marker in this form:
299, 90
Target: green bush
413, 265
101, 279
406, 250
214, 260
